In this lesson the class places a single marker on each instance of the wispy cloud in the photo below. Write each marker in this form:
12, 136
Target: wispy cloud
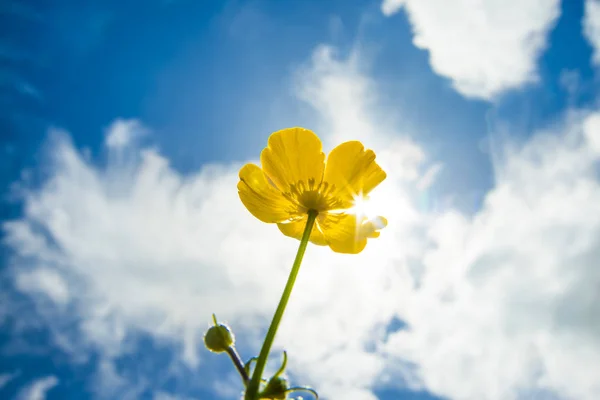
122, 133
591, 28
38, 389
484, 47
6, 378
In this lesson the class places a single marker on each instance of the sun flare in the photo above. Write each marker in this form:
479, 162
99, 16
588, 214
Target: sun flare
363, 207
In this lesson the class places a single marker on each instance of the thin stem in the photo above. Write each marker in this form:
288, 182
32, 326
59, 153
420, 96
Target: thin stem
237, 361
252, 391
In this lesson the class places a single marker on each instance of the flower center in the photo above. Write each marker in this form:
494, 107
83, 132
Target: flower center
310, 196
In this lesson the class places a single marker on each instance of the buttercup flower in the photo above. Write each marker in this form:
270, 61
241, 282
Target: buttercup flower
295, 179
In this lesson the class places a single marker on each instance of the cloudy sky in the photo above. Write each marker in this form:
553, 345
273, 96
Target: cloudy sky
123, 127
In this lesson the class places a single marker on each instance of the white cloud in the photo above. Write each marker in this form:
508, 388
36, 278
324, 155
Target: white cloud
500, 304
122, 132
143, 247
341, 94
591, 129
485, 47
47, 281
509, 300
38, 389
591, 28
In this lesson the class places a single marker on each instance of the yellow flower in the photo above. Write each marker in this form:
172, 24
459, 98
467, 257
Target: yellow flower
295, 179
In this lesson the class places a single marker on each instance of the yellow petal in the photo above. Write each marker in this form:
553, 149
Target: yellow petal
353, 171
296, 229
347, 234
260, 197
370, 227
293, 155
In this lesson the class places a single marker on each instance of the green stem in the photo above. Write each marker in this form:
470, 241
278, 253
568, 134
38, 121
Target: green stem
252, 391
235, 357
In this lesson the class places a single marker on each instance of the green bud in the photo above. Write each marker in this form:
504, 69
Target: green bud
276, 389
218, 338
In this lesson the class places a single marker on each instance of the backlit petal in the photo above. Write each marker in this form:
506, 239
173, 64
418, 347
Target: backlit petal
296, 229
260, 197
353, 171
370, 228
345, 233
293, 155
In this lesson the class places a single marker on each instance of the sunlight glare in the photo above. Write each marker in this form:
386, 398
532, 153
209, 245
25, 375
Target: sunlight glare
363, 207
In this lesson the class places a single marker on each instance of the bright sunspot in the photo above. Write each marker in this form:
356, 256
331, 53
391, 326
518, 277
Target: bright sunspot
363, 207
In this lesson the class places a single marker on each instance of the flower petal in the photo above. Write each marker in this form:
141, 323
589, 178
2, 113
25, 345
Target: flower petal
347, 234
293, 155
260, 197
370, 228
353, 171
296, 229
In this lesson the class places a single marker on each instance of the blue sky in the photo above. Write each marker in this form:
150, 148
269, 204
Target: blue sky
124, 125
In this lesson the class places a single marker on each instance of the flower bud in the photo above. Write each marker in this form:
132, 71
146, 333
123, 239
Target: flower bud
276, 389
219, 338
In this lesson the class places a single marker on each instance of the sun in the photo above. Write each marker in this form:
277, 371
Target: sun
363, 207
368, 211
